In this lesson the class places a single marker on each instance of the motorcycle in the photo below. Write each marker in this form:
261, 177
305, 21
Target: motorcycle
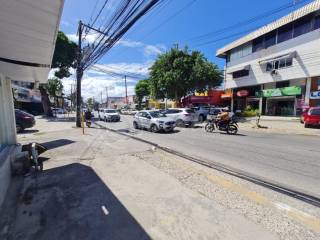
229, 126
88, 123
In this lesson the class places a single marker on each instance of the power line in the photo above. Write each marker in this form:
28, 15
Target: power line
243, 23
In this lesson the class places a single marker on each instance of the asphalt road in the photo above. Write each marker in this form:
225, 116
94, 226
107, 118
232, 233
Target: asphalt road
291, 160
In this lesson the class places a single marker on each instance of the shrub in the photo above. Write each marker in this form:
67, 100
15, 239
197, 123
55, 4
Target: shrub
250, 112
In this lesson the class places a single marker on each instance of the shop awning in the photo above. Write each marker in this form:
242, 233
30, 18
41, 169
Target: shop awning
236, 69
226, 95
279, 57
28, 33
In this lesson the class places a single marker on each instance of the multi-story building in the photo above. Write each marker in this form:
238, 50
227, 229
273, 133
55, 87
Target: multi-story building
276, 68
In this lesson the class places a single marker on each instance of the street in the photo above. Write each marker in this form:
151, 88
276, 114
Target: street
291, 160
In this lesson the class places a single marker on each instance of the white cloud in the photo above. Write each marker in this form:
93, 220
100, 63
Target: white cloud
94, 82
147, 49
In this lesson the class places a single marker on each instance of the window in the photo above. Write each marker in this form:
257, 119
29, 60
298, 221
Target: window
285, 33
302, 26
282, 63
316, 22
257, 44
282, 84
315, 112
241, 73
240, 52
270, 39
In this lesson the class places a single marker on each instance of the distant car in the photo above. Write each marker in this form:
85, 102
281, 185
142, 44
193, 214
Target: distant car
59, 110
201, 112
109, 115
23, 120
312, 118
183, 116
153, 121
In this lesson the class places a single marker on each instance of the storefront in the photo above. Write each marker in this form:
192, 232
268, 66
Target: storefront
282, 101
244, 97
315, 92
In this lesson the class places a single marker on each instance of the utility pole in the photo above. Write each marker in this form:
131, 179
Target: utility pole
125, 84
79, 76
107, 98
101, 98
71, 86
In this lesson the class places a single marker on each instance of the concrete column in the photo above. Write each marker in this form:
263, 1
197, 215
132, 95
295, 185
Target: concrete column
260, 101
232, 102
308, 90
8, 134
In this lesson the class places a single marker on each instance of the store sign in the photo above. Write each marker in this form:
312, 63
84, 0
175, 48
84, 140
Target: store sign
272, 92
278, 92
315, 95
242, 93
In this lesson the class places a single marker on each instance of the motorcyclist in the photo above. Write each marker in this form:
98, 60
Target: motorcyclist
88, 115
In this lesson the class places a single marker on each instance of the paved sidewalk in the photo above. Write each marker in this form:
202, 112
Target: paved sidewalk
278, 125
96, 187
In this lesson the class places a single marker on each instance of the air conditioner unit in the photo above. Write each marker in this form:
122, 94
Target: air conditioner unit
274, 72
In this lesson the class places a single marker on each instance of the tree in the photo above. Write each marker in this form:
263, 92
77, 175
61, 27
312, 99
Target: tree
142, 90
64, 58
55, 88
178, 73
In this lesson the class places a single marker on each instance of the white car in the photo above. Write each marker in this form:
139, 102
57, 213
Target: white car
109, 115
153, 121
59, 111
182, 116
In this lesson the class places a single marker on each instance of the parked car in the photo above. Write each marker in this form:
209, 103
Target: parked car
201, 112
312, 118
153, 121
23, 120
214, 111
59, 110
183, 116
109, 115
305, 110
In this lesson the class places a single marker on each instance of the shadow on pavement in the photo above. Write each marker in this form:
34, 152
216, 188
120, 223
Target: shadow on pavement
29, 131
57, 143
72, 202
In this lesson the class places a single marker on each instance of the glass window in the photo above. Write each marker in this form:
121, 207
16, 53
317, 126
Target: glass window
257, 44
316, 22
269, 66
285, 33
315, 112
276, 64
270, 39
282, 63
241, 73
288, 62
302, 26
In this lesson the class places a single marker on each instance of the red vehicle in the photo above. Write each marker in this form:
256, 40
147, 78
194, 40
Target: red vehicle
312, 118
305, 110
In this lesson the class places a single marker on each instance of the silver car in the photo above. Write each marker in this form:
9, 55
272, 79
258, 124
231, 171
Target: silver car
153, 121
183, 116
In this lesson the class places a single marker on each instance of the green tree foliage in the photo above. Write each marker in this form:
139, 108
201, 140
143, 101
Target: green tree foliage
178, 73
55, 88
64, 56
142, 90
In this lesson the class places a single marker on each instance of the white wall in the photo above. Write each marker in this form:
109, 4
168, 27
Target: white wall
305, 64
7, 116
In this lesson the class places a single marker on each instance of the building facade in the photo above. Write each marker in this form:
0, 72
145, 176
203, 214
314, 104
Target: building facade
276, 68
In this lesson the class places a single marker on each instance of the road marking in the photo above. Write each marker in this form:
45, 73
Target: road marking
105, 210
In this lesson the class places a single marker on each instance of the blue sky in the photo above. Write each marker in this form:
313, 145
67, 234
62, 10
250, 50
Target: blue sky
175, 22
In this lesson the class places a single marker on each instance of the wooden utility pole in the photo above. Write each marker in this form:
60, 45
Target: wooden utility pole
79, 76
